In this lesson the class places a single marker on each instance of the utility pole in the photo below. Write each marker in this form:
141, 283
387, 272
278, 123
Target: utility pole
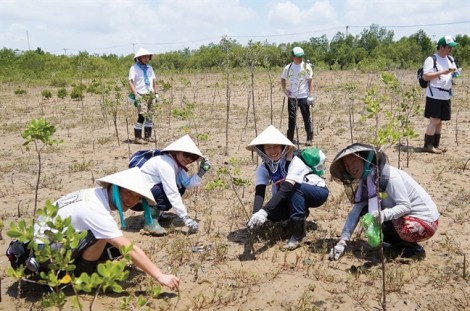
27, 38
347, 28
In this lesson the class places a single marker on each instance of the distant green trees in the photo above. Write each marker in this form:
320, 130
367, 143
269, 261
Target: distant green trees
374, 49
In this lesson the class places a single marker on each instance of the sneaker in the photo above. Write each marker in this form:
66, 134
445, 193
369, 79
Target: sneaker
309, 143
150, 139
140, 141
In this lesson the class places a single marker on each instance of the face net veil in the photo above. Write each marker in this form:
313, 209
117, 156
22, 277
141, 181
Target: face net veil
273, 165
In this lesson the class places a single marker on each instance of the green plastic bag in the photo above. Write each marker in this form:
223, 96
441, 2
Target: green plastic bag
372, 229
131, 98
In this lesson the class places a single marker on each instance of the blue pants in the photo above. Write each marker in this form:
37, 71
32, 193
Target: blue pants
160, 197
302, 197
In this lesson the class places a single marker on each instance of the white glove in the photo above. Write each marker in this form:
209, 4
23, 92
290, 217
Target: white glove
138, 97
375, 214
257, 219
157, 98
191, 224
311, 101
337, 251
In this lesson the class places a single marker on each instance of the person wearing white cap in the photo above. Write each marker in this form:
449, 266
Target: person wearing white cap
297, 85
408, 214
438, 70
92, 209
143, 84
296, 183
167, 177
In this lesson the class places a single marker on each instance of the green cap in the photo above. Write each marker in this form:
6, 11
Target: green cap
447, 40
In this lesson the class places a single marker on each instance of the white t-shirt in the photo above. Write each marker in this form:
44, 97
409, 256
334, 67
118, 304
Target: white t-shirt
404, 197
297, 77
298, 171
443, 81
89, 210
137, 76
164, 169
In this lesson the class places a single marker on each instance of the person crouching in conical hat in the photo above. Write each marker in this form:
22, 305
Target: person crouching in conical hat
167, 177
296, 179
92, 209
408, 214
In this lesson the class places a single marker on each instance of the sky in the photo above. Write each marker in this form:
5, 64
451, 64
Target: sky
123, 26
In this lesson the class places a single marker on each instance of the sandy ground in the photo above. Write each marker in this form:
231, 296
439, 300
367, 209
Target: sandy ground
221, 276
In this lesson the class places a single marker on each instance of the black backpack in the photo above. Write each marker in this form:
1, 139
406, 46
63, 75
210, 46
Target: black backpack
419, 74
140, 157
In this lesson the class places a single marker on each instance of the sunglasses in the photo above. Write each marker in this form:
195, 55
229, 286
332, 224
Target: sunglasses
191, 156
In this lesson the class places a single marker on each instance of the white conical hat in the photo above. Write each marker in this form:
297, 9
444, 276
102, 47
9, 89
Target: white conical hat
184, 144
142, 52
131, 179
272, 136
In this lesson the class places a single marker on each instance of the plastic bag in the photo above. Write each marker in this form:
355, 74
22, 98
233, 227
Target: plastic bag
372, 229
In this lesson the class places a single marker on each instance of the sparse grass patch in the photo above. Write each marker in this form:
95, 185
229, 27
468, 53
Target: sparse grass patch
81, 166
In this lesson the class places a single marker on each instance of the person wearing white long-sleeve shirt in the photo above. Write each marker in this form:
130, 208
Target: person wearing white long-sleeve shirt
408, 213
167, 177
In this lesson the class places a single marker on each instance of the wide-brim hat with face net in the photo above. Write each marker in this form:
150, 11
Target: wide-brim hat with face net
131, 179
337, 169
184, 144
142, 52
271, 136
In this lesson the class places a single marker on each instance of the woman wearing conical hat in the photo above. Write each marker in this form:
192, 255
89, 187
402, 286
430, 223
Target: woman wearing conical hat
296, 181
91, 210
143, 84
167, 177
408, 214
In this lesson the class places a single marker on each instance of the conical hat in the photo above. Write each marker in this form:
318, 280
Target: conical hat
337, 169
131, 179
184, 144
272, 136
142, 52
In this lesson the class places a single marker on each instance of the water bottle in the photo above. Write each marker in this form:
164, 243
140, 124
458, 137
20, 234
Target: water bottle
457, 74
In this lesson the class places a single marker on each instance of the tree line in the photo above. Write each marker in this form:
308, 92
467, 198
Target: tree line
371, 51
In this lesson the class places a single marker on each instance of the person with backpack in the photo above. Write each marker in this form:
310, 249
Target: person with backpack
296, 179
167, 177
144, 94
408, 214
92, 210
297, 85
437, 70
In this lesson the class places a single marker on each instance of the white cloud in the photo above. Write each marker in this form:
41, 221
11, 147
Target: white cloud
113, 26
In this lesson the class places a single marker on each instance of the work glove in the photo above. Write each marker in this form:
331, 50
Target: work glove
192, 225
257, 219
156, 98
337, 251
138, 97
287, 92
311, 101
204, 167
375, 214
